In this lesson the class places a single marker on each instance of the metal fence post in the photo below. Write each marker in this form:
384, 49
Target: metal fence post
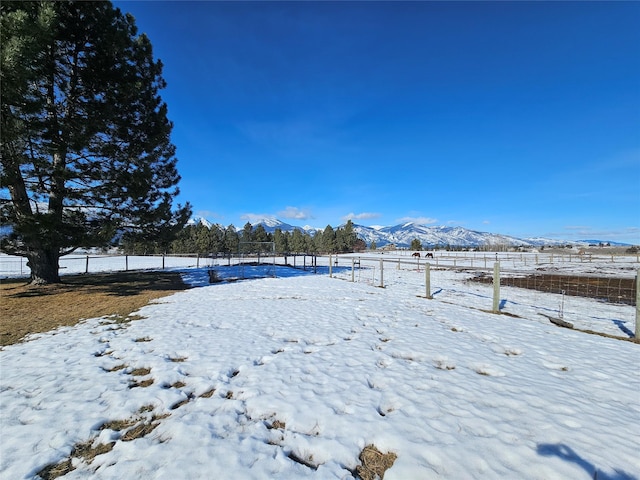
496, 287
86, 268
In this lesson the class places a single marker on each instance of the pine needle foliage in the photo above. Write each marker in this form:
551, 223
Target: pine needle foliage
86, 156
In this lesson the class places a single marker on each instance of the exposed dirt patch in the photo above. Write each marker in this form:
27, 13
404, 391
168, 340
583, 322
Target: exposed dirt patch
26, 309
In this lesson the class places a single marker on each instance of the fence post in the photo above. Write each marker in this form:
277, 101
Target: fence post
638, 304
427, 279
353, 268
163, 261
126, 263
381, 274
198, 261
330, 269
496, 287
86, 268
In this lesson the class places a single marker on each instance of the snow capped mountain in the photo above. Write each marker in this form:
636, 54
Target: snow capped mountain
199, 221
604, 242
270, 224
403, 234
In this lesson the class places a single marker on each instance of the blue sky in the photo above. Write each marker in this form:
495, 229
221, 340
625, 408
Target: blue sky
509, 117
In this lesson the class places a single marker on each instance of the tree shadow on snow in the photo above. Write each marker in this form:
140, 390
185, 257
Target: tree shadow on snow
567, 454
200, 277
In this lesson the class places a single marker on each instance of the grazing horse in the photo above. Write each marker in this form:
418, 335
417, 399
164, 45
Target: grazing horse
428, 255
416, 254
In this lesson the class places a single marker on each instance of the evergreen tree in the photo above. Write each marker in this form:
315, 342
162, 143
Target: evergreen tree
201, 239
84, 136
281, 241
314, 244
231, 240
415, 245
328, 242
247, 233
373, 245
216, 239
260, 234
346, 238
298, 243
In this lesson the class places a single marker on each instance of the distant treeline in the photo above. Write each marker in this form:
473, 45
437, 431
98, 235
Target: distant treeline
220, 240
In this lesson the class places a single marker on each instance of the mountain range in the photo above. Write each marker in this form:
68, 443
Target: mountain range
429, 236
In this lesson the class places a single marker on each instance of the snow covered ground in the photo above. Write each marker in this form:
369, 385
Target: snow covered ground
291, 377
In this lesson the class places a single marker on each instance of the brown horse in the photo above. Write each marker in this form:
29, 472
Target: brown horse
428, 255
416, 254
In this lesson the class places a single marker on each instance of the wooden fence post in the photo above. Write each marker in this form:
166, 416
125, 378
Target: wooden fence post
126, 263
381, 273
330, 265
427, 279
496, 287
86, 269
637, 304
353, 267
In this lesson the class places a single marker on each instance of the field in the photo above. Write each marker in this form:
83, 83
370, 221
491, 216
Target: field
302, 375
26, 310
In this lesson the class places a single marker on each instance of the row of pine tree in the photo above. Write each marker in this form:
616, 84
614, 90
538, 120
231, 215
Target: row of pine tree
202, 240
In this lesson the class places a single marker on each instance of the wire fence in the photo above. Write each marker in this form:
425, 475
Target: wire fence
534, 283
604, 304
610, 289
16, 267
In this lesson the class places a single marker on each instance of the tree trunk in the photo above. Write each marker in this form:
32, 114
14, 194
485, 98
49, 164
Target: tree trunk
44, 266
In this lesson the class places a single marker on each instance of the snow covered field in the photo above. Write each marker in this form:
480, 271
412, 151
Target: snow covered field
291, 377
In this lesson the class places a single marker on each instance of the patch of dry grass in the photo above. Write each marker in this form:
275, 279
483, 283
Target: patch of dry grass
56, 470
118, 425
27, 309
208, 393
374, 463
86, 451
277, 424
140, 372
141, 383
